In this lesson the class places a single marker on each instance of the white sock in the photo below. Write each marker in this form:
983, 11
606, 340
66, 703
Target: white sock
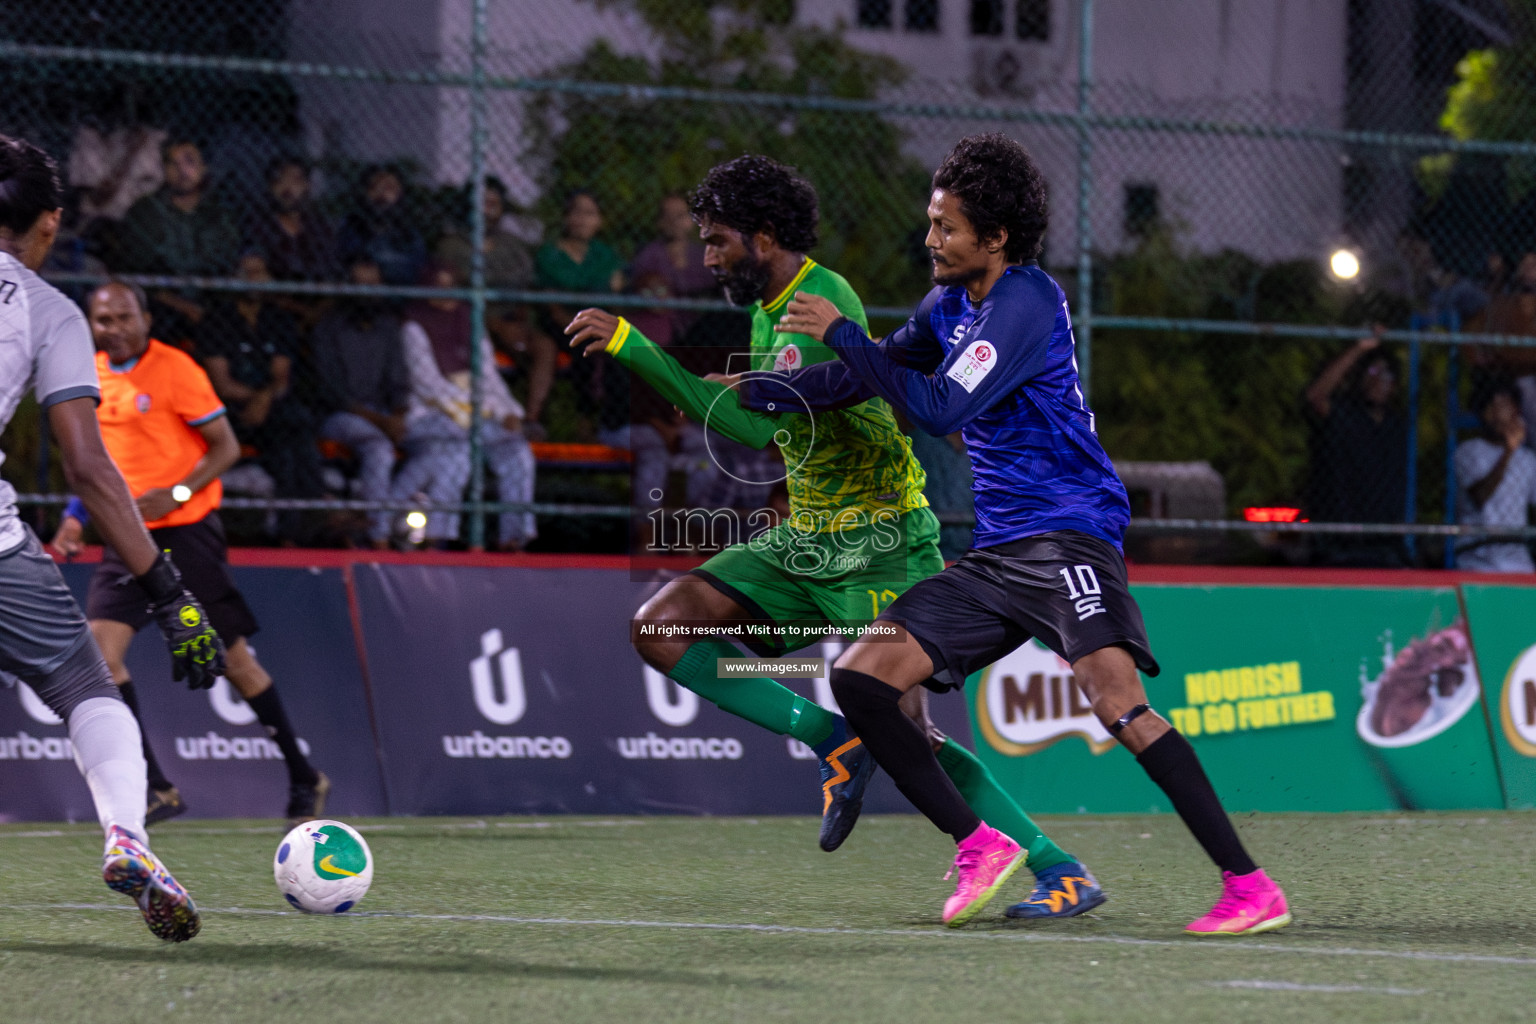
109, 753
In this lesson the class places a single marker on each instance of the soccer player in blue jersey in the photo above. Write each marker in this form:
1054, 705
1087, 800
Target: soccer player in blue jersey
990, 353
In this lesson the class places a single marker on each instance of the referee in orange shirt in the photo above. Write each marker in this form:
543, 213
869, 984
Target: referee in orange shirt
167, 431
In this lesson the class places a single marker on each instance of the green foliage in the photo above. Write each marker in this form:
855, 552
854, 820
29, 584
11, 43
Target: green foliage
1493, 98
631, 151
1234, 400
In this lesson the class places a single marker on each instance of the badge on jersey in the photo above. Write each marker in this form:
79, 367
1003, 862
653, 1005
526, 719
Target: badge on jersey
788, 359
973, 365
141, 402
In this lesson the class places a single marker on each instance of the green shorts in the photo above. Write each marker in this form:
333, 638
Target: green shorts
811, 580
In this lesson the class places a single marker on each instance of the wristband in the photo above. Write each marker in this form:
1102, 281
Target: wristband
181, 494
76, 510
162, 582
620, 336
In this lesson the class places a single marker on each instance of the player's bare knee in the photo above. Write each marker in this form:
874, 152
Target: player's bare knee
655, 647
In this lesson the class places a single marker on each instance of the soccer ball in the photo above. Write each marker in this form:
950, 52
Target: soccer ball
323, 867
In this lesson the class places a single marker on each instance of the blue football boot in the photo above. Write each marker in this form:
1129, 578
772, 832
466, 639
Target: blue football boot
845, 774
1061, 890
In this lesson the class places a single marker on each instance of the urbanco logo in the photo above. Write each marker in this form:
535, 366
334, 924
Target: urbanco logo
1027, 700
508, 706
228, 704
502, 704
672, 704
33, 705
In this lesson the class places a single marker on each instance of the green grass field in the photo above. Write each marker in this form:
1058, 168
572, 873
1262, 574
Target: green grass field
1398, 918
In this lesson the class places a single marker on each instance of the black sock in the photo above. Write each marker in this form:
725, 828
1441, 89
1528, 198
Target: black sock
1171, 763
157, 779
270, 713
900, 747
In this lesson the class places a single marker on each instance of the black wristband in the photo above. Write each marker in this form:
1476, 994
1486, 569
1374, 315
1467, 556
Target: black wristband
162, 582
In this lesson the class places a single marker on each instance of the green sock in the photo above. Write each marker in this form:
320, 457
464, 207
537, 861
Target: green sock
760, 701
995, 807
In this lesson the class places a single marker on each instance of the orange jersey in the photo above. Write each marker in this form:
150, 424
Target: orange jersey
149, 417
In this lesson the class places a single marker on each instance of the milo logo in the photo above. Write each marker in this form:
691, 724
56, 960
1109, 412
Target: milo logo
337, 853
1028, 700
1517, 704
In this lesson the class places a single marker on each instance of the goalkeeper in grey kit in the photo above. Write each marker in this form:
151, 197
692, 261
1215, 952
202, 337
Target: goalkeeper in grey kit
46, 348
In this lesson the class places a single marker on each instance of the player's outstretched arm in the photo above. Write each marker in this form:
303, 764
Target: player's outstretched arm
197, 653
823, 387
703, 401
1004, 347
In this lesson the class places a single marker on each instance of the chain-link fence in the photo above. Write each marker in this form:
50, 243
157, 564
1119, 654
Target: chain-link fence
1240, 194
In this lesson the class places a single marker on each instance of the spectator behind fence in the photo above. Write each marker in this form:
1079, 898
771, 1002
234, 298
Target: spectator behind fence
1444, 295
249, 347
1512, 312
381, 228
437, 340
179, 230
296, 238
661, 439
109, 171
365, 389
512, 325
578, 261
1495, 482
671, 266
1359, 455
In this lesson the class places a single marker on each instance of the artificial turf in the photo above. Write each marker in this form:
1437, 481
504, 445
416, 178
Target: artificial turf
1398, 918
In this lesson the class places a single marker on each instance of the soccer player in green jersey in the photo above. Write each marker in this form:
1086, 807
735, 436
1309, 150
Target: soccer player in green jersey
859, 532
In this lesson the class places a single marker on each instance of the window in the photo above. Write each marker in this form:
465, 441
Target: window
1034, 20
1141, 211
922, 15
986, 17
874, 13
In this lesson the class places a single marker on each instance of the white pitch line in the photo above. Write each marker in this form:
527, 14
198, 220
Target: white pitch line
277, 829
787, 929
1293, 986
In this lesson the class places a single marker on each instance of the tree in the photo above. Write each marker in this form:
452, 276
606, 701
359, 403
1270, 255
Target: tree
1477, 202
632, 150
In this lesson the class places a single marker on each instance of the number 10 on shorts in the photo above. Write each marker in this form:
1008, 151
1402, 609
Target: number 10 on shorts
1084, 590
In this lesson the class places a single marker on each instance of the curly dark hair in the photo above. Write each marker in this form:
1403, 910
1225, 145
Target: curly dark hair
1000, 189
29, 185
753, 193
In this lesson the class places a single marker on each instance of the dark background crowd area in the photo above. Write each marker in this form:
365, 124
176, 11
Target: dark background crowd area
179, 171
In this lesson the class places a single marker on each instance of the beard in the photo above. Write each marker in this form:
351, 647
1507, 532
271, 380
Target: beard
945, 275
743, 284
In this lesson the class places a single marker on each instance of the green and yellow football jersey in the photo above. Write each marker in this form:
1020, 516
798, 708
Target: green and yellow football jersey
843, 466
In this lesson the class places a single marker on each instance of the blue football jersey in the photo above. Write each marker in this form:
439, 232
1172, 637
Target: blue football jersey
1004, 374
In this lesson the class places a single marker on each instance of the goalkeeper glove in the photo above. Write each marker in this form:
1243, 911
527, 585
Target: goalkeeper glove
197, 653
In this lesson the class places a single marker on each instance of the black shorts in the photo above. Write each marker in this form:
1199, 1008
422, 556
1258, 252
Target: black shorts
200, 552
1067, 589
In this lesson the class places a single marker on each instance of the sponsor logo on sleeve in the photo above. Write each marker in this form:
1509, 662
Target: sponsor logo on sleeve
973, 365
787, 359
